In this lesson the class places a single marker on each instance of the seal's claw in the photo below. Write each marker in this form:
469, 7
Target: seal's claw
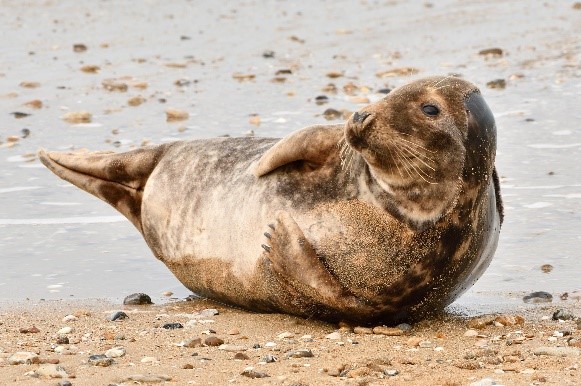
266, 247
268, 236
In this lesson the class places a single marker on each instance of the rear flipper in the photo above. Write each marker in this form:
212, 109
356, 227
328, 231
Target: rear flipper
117, 179
294, 259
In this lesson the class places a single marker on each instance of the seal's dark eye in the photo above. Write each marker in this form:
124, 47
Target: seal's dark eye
430, 110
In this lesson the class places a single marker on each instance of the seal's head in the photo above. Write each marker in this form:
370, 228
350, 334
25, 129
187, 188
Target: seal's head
423, 143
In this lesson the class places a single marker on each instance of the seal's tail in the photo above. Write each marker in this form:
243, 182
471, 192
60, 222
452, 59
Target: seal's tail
117, 179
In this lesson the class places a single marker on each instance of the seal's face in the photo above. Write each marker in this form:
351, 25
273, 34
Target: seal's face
415, 143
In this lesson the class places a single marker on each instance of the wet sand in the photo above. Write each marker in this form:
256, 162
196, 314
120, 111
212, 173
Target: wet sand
259, 68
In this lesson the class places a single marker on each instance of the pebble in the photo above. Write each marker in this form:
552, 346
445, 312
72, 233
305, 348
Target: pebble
213, 341
300, 353
192, 343
414, 341
29, 330
115, 352
363, 330
70, 318
233, 331
231, 347
491, 52
136, 101
538, 297
65, 330
50, 371
484, 382
167, 293
496, 83
480, 322
389, 331
404, 327
147, 378
62, 340
563, 315
119, 315
510, 320
23, 357
65, 383
390, 372
114, 85
268, 358
241, 356
187, 366
100, 360
75, 117
137, 299
172, 326
557, 351
270, 344
331, 114
149, 360
285, 335
251, 373
333, 336
471, 333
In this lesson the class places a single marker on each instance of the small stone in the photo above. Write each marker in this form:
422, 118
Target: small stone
27, 84
496, 83
414, 341
23, 357
90, 69
100, 360
285, 335
81, 312
50, 371
359, 372
391, 372
359, 100
471, 333
149, 360
192, 343
65, 330
173, 115
70, 318
172, 326
119, 315
538, 297
233, 331
509, 320
562, 315
331, 114
213, 341
363, 330
321, 99
137, 299
389, 331
334, 74
268, 344
426, 344
136, 101
333, 336
557, 351
231, 347
114, 85
187, 366
147, 378
546, 268
65, 383
395, 72
268, 54
480, 322
484, 382
243, 77
268, 358
301, 353
251, 373
241, 356
404, 327
79, 47
29, 330
491, 52
34, 104
115, 352
76, 117
62, 340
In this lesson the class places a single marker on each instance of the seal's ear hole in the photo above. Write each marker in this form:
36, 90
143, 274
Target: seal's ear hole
431, 110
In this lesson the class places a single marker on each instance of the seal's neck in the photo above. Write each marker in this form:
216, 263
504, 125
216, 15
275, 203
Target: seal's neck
419, 205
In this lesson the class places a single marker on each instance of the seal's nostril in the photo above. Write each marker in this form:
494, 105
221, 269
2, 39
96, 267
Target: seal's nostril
360, 117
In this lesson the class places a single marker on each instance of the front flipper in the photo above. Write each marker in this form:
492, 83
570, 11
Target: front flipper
312, 145
294, 259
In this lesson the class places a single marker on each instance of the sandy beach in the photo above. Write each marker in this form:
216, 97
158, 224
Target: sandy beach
116, 76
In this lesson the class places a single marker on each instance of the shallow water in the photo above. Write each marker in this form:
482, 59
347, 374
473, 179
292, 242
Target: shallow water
59, 242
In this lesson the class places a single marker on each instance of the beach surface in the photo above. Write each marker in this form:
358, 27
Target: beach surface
119, 75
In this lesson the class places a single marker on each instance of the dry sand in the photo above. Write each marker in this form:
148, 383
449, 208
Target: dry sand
530, 348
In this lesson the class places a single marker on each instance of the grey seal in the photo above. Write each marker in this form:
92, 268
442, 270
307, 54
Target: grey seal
388, 217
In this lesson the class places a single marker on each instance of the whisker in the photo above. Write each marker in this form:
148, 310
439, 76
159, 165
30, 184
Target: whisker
419, 156
417, 145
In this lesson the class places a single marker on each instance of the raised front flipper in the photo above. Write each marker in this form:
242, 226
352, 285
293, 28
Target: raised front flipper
294, 259
312, 145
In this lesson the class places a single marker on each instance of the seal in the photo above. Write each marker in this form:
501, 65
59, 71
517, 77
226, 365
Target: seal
388, 217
